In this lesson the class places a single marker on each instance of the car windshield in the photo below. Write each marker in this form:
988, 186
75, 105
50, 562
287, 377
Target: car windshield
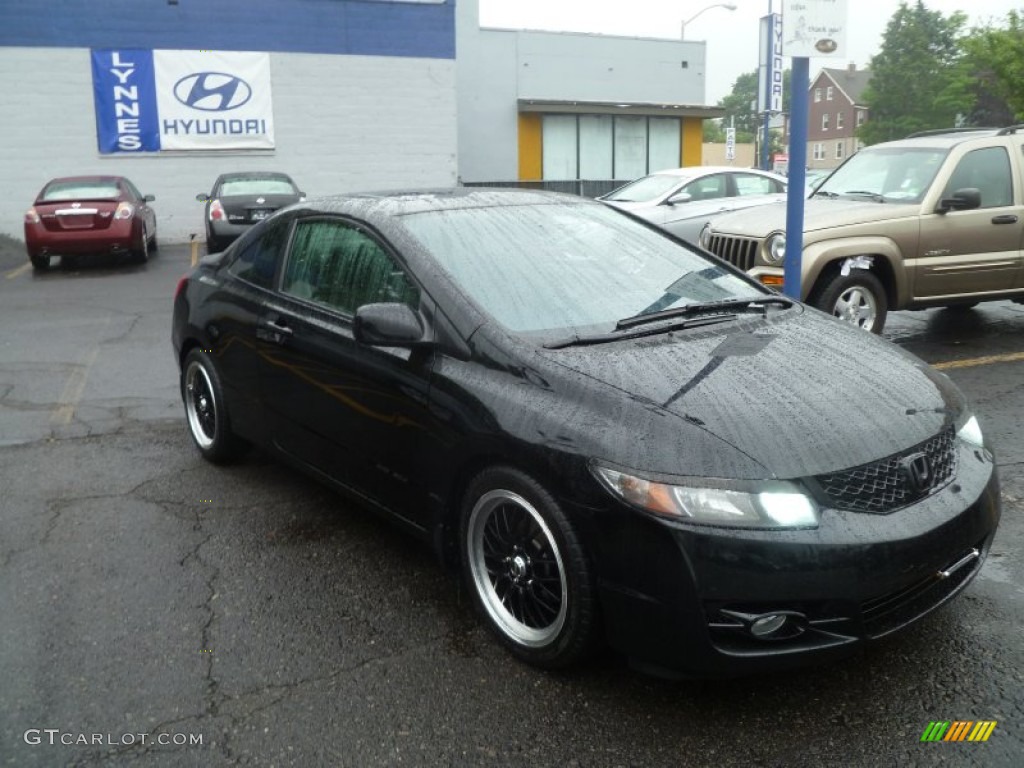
890, 174
80, 190
646, 189
561, 268
234, 187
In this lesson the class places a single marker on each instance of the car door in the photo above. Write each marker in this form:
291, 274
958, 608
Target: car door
241, 288
978, 250
357, 414
140, 201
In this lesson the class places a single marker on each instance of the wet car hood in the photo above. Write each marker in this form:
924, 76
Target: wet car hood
799, 398
819, 213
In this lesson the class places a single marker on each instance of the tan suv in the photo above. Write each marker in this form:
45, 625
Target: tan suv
936, 219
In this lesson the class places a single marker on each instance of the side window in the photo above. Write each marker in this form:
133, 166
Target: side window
334, 263
988, 170
707, 188
132, 190
257, 258
750, 184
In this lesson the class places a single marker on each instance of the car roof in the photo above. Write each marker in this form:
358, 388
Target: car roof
943, 140
97, 177
389, 203
253, 175
693, 170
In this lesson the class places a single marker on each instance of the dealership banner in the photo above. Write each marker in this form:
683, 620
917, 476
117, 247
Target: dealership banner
152, 101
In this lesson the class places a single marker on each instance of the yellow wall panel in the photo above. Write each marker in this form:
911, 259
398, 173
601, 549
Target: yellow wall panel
531, 165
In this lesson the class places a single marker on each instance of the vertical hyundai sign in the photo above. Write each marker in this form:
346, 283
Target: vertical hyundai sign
151, 101
769, 91
126, 119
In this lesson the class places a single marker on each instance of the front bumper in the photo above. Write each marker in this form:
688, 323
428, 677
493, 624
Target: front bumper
681, 599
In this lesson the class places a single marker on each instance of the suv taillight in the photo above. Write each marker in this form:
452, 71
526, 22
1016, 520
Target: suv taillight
216, 211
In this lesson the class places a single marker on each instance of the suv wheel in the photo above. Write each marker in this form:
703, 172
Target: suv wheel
857, 298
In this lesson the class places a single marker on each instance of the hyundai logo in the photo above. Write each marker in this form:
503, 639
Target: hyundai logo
917, 470
212, 91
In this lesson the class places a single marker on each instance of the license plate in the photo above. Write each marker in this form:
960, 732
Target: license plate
258, 215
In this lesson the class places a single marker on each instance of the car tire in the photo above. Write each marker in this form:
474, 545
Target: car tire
206, 409
40, 263
857, 298
526, 570
141, 253
153, 244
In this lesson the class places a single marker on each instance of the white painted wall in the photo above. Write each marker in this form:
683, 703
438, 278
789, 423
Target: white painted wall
342, 123
497, 67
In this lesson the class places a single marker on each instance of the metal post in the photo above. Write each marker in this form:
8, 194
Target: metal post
797, 177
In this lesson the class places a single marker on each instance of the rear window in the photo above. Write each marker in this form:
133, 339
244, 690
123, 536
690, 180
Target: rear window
80, 190
256, 187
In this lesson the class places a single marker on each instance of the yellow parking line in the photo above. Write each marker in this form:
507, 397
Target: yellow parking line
1009, 357
19, 271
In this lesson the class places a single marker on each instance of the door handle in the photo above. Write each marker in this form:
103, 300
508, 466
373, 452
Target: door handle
275, 330
1008, 218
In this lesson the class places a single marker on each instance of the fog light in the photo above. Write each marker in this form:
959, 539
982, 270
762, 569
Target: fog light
768, 625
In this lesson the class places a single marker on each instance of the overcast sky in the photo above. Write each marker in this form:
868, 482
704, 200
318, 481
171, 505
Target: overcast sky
732, 36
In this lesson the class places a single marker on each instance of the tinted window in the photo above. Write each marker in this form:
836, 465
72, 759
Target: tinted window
988, 171
257, 258
752, 184
81, 190
336, 264
552, 267
256, 187
708, 188
132, 190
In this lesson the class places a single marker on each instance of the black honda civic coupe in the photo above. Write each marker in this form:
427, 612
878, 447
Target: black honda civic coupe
617, 438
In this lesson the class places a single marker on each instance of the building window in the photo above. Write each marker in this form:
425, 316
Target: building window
861, 117
817, 94
824, 121
858, 145
819, 151
608, 147
828, 93
839, 150
839, 120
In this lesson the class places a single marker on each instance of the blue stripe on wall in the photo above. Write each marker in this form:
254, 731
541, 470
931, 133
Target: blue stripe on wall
353, 27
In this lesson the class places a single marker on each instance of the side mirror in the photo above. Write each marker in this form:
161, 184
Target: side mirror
149, 198
679, 197
964, 199
387, 325
202, 197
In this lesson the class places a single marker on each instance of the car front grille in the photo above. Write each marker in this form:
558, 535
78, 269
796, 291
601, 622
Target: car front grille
738, 251
885, 485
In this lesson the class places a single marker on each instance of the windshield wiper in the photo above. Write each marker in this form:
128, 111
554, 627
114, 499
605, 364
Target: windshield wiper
577, 340
873, 195
825, 193
760, 303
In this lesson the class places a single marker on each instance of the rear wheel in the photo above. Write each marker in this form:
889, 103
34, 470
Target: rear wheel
526, 569
206, 409
857, 298
141, 252
40, 263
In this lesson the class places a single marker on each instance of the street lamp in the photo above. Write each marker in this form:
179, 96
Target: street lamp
682, 25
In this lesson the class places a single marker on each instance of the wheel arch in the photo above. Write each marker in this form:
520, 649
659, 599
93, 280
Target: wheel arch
823, 260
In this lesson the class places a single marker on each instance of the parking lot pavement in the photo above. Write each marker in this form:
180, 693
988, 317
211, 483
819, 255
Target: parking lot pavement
144, 592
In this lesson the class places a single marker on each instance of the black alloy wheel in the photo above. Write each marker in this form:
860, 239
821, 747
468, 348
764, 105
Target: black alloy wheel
206, 409
526, 570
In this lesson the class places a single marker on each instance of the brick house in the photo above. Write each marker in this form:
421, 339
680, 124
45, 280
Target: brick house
836, 109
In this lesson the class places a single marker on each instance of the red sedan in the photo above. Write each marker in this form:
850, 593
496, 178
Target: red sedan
89, 215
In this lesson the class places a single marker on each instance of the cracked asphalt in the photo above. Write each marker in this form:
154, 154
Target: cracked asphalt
144, 592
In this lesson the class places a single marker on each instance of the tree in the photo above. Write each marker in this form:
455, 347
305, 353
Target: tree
997, 58
920, 78
740, 106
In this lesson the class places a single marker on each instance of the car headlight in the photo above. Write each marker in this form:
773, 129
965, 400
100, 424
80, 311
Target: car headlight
774, 505
704, 238
775, 250
970, 433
